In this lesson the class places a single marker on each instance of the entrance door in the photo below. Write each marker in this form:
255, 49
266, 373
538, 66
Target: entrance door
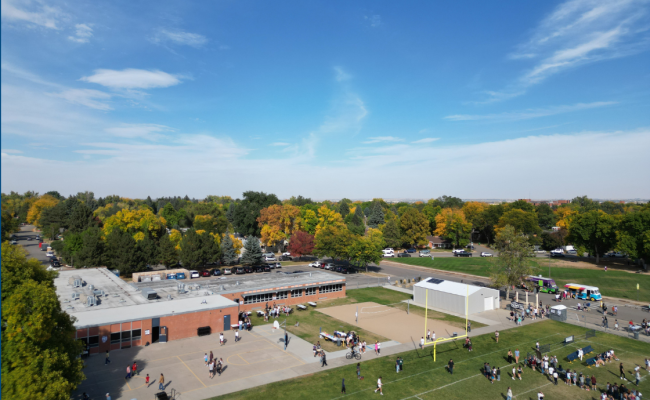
155, 334
226, 322
488, 304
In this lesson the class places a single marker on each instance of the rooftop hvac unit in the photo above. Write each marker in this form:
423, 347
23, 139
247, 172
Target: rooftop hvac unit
91, 287
180, 288
97, 292
75, 295
149, 294
75, 281
88, 299
147, 279
155, 278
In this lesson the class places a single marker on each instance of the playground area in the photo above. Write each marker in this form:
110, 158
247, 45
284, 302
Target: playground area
391, 322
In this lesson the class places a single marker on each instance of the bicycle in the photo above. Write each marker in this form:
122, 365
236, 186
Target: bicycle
353, 354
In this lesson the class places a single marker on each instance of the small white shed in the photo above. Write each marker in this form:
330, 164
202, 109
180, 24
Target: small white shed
450, 296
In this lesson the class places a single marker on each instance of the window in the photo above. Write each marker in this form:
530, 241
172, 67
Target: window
115, 337
310, 291
296, 293
126, 336
258, 298
93, 341
331, 288
136, 334
282, 295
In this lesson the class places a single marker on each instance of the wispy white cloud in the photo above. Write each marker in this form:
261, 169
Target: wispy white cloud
32, 12
341, 75
576, 33
83, 33
87, 97
426, 140
151, 132
11, 151
374, 20
179, 37
26, 75
380, 139
530, 113
280, 144
132, 79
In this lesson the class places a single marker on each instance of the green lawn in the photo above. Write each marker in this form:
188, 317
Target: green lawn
426, 379
611, 283
311, 321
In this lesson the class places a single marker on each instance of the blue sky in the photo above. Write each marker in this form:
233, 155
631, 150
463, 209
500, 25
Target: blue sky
327, 99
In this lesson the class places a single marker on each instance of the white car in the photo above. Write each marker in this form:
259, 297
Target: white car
330, 266
486, 254
389, 254
194, 274
286, 253
315, 264
557, 251
227, 271
49, 254
269, 258
14, 242
458, 251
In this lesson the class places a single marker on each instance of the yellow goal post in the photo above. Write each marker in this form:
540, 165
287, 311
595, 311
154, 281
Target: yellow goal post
435, 342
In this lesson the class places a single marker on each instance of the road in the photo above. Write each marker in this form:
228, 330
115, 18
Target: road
31, 245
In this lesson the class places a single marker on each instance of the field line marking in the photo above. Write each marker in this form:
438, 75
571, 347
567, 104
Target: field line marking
442, 367
191, 371
442, 387
550, 383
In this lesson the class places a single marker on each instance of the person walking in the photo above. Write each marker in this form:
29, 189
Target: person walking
469, 326
108, 360
593, 382
211, 356
134, 369
221, 364
555, 376
516, 356
381, 392
378, 348
509, 394
359, 371
323, 360
205, 358
211, 369
450, 366
620, 367
128, 372
496, 336
498, 374
286, 339
343, 385
428, 334
422, 343
397, 365
638, 377
509, 356
236, 336
146, 380
401, 363
221, 338
161, 382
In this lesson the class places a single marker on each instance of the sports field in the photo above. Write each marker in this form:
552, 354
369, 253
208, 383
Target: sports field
619, 284
424, 379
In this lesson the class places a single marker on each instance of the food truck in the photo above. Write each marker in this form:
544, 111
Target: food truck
544, 285
584, 292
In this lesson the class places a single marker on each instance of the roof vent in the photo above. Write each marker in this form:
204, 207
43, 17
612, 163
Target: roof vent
435, 281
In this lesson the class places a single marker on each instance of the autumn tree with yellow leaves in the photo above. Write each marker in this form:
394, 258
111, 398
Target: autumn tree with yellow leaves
35, 210
137, 223
278, 223
452, 225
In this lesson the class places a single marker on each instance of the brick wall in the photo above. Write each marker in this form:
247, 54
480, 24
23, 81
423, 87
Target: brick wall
185, 325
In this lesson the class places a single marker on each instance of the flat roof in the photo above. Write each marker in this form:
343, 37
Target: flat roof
124, 301
459, 289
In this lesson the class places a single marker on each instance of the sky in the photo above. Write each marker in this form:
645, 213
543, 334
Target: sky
363, 99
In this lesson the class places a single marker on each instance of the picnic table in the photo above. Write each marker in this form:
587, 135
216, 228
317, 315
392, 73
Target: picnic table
327, 336
260, 313
234, 326
634, 328
301, 307
311, 303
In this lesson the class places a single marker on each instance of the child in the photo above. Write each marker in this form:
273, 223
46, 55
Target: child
205, 358
146, 380
379, 387
359, 371
221, 338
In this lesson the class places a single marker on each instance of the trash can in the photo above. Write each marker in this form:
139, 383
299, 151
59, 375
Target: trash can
636, 335
338, 341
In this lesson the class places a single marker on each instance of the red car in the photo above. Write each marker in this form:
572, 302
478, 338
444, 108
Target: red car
205, 273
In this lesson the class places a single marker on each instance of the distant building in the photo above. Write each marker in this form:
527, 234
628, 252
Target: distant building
436, 242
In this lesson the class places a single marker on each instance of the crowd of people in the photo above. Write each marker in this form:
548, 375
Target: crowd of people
214, 365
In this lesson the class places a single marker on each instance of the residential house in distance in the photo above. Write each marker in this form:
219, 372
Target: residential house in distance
436, 242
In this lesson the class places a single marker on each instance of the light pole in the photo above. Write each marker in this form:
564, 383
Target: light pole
549, 265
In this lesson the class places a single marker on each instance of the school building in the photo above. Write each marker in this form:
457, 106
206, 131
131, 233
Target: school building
113, 314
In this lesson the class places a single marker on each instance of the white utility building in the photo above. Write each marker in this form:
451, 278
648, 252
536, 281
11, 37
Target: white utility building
448, 296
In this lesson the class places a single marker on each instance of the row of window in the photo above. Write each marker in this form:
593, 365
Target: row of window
263, 298
331, 288
126, 336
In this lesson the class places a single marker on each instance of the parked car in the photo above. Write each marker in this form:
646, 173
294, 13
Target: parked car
240, 270
194, 274
286, 253
48, 254
389, 255
286, 258
269, 254
486, 254
403, 254
345, 270
171, 276
615, 254
55, 264
205, 273
29, 238
329, 266
269, 258
557, 251
277, 265
470, 246
249, 270
181, 275
227, 271
216, 272
259, 268
315, 264
457, 251
267, 268
557, 254
425, 253
463, 254
411, 250
572, 252
14, 242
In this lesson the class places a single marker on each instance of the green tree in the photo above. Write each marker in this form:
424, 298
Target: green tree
228, 252
448, 202
248, 211
633, 236
545, 216
431, 211
414, 227
376, 218
91, 253
391, 230
594, 230
490, 220
366, 249
9, 224
171, 216
121, 252
72, 246
149, 250
80, 219
52, 219
197, 249
37, 336
332, 241
523, 221
168, 251
252, 254
514, 261
520, 205
344, 209
230, 214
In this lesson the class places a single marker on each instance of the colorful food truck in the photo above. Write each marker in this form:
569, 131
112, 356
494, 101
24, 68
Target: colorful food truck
584, 292
544, 285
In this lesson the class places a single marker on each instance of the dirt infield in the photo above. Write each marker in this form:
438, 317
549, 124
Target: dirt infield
390, 322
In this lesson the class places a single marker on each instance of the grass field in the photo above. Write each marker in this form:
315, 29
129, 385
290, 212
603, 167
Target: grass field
424, 379
311, 320
611, 283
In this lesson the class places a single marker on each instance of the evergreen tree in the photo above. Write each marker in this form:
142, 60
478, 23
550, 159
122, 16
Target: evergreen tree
377, 216
198, 249
121, 252
229, 255
367, 211
149, 250
230, 214
80, 219
344, 209
92, 249
391, 231
168, 255
252, 252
